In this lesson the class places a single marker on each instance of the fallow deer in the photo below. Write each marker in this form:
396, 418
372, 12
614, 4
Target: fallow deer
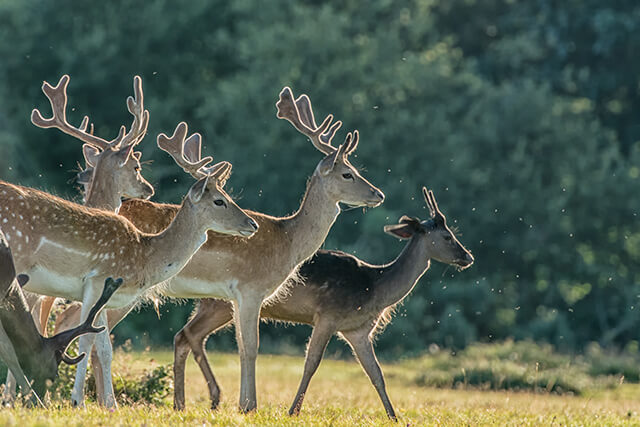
112, 173
33, 358
116, 166
68, 249
248, 272
338, 293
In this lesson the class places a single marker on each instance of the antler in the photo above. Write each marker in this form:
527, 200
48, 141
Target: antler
432, 204
300, 114
135, 105
58, 99
187, 153
62, 340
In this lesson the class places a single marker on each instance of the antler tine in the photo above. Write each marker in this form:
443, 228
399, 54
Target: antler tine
427, 198
135, 105
58, 99
320, 136
221, 172
303, 104
175, 146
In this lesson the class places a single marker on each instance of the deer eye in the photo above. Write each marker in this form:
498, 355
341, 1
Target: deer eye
447, 238
137, 169
219, 202
347, 175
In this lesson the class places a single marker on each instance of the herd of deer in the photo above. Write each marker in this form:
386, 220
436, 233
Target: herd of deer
241, 265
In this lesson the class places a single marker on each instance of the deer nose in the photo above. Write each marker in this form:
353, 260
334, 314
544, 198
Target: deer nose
469, 258
379, 194
252, 223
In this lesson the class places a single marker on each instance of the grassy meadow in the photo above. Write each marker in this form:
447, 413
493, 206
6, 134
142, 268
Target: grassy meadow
341, 395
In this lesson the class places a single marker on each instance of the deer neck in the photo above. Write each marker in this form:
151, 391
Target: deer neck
172, 249
399, 277
309, 226
101, 195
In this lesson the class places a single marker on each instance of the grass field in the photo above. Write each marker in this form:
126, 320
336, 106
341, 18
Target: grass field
341, 395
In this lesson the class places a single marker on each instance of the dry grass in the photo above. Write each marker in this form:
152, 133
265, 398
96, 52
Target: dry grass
340, 394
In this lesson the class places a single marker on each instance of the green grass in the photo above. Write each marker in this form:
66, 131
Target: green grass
341, 395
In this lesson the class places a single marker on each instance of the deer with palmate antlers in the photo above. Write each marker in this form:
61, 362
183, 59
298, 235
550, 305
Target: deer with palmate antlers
115, 172
338, 293
33, 358
67, 249
246, 273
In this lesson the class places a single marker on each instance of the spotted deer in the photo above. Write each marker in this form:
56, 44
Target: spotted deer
115, 166
338, 293
246, 273
34, 359
69, 249
114, 171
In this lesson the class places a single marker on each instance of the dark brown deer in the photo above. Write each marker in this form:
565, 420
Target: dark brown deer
339, 293
32, 358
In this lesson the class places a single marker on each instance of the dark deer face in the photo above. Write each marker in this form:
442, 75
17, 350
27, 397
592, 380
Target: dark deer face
440, 242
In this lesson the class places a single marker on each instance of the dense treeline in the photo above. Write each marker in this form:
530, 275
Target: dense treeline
519, 115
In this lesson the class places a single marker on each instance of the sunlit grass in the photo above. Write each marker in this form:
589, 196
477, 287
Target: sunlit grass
340, 395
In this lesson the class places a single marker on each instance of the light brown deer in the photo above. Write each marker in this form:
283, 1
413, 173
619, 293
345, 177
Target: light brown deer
33, 358
67, 249
338, 294
247, 274
115, 173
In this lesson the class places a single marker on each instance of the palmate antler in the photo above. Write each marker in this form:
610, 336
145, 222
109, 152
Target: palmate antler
300, 114
62, 340
58, 99
187, 153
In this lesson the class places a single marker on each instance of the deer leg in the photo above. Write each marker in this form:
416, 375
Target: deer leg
104, 351
101, 360
363, 349
211, 316
320, 337
85, 343
46, 303
96, 368
247, 316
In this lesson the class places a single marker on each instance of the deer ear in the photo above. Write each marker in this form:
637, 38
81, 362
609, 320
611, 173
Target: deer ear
198, 189
401, 231
90, 154
84, 177
123, 154
137, 155
328, 163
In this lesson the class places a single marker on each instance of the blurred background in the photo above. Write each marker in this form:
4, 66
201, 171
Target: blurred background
521, 116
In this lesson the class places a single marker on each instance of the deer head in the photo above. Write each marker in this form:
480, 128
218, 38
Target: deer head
115, 164
339, 178
207, 197
441, 243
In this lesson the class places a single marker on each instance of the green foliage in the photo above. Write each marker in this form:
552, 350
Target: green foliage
152, 387
525, 366
519, 115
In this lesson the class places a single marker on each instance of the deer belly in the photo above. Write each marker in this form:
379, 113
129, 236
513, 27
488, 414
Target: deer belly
184, 287
50, 282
